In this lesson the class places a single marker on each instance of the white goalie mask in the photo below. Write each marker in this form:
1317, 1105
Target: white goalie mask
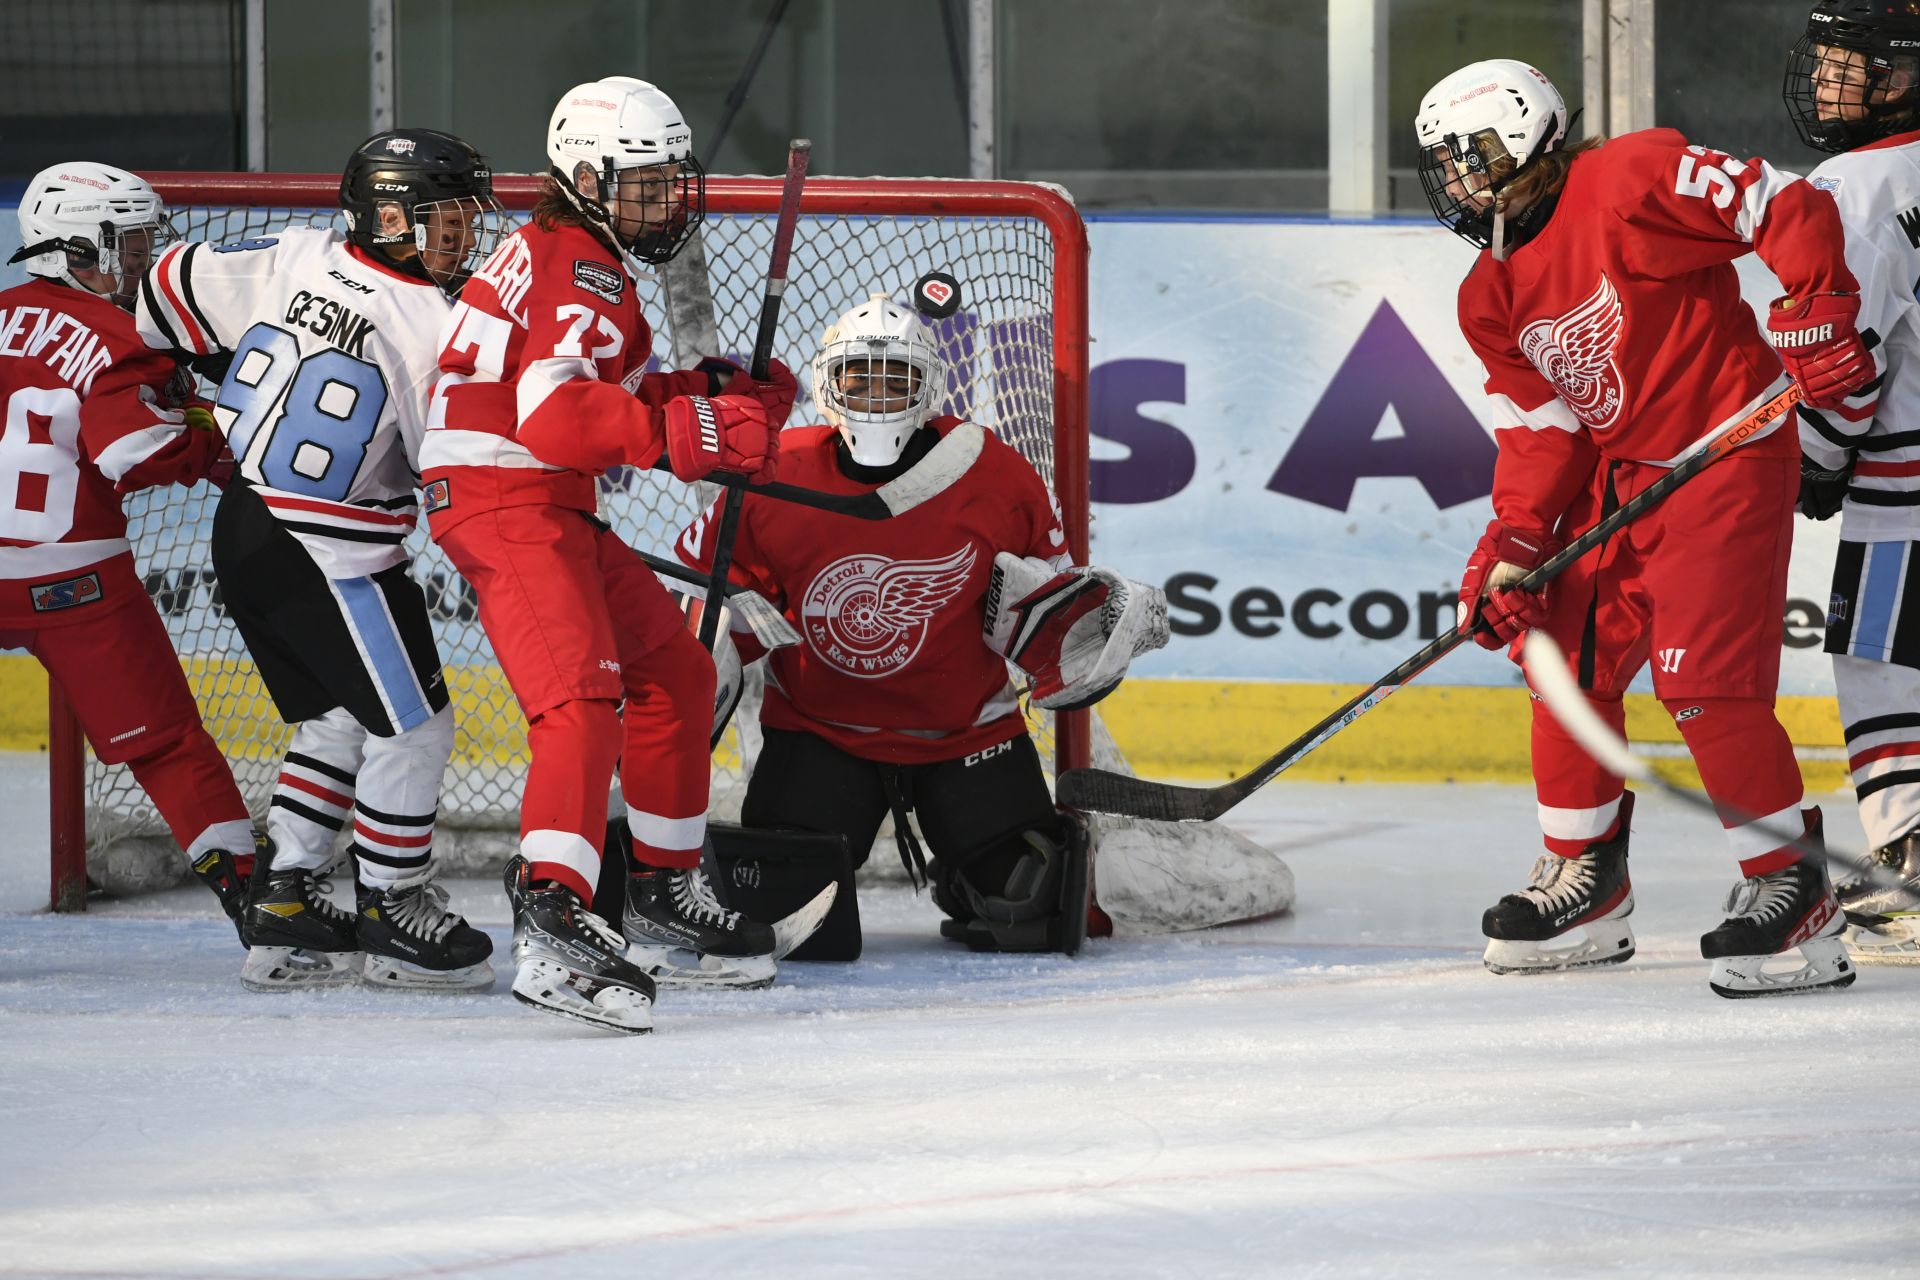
877, 377
603, 129
87, 216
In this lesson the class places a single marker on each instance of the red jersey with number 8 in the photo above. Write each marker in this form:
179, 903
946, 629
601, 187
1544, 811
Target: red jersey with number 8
86, 420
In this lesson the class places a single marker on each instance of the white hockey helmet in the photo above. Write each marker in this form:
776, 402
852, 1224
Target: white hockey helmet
622, 123
83, 216
1478, 128
858, 348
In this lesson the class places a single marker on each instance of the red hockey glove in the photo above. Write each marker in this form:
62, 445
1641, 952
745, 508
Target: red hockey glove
777, 393
725, 433
1492, 610
1819, 346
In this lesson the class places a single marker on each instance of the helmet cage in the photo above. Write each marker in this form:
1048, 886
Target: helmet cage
654, 242
877, 436
1463, 175
1852, 63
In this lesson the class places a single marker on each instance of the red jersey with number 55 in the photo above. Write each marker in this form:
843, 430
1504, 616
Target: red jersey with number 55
1619, 331
543, 380
893, 665
86, 419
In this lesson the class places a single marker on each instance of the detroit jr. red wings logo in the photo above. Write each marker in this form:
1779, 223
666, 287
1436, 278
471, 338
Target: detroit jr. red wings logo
1575, 353
867, 615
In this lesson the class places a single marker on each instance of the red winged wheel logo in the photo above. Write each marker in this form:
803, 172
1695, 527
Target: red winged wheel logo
1575, 353
867, 615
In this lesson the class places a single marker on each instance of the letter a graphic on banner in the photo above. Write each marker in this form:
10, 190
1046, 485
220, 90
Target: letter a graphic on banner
1444, 446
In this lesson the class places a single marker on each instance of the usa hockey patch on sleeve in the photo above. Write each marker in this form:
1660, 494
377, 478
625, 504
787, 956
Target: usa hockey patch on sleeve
48, 597
598, 279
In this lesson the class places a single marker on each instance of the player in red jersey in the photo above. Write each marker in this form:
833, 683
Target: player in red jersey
1608, 315
544, 388
90, 415
897, 695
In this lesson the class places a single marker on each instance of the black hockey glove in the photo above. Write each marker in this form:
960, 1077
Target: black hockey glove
1822, 491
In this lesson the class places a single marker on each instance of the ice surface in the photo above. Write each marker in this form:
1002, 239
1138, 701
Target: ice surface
1342, 1092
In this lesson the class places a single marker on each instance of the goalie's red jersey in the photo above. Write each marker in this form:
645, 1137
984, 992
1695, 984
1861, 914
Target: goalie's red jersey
893, 665
1619, 331
543, 380
84, 422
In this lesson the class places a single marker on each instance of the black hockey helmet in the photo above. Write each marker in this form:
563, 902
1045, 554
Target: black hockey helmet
407, 193
1854, 74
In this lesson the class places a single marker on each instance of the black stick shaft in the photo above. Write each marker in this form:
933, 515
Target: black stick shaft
799, 152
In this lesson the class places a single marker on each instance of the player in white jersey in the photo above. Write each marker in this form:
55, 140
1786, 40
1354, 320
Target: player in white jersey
1853, 88
329, 344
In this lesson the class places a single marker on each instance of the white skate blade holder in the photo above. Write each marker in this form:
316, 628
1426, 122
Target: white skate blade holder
1599, 942
1895, 942
552, 988
274, 969
681, 967
390, 973
1818, 964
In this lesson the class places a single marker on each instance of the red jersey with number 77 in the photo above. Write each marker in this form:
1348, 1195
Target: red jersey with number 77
1618, 331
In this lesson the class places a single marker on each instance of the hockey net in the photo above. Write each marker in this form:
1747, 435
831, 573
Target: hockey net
1016, 352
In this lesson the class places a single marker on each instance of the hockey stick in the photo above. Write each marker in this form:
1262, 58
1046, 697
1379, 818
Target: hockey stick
1104, 791
799, 151
1548, 673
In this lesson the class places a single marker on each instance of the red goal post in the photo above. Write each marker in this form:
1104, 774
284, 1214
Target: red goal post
1017, 354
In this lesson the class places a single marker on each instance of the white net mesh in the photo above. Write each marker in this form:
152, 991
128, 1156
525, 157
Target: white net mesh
999, 350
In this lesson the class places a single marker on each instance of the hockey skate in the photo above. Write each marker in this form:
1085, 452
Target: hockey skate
678, 931
220, 871
1579, 905
412, 941
296, 939
570, 960
1773, 915
1883, 921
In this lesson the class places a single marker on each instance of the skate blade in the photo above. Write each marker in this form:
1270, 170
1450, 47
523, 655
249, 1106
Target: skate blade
297, 969
1603, 942
1821, 965
795, 929
693, 970
551, 988
1897, 941
393, 974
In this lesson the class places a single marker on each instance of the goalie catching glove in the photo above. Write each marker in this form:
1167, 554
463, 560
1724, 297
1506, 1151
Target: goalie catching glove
734, 434
1071, 631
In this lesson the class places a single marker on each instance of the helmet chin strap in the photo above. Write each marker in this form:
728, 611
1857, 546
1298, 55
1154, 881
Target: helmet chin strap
1499, 231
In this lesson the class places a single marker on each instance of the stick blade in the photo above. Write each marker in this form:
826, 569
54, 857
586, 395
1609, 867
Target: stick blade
1104, 791
1548, 673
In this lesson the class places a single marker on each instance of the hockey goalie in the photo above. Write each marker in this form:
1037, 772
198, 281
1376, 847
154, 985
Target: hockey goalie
894, 697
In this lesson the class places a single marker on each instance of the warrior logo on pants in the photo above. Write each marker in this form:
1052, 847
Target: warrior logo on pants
867, 615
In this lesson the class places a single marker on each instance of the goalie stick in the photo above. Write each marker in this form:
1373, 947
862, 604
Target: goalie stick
1548, 673
799, 152
1104, 791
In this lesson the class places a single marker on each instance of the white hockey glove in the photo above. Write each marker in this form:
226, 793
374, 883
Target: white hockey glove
1071, 632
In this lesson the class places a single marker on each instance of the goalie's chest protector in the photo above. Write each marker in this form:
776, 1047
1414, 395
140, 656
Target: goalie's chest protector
890, 611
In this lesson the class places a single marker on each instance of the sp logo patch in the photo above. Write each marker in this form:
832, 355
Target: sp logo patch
48, 597
598, 279
439, 496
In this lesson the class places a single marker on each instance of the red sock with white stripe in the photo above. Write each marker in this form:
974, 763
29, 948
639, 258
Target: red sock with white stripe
1746, 762
1579, 800
666, 766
